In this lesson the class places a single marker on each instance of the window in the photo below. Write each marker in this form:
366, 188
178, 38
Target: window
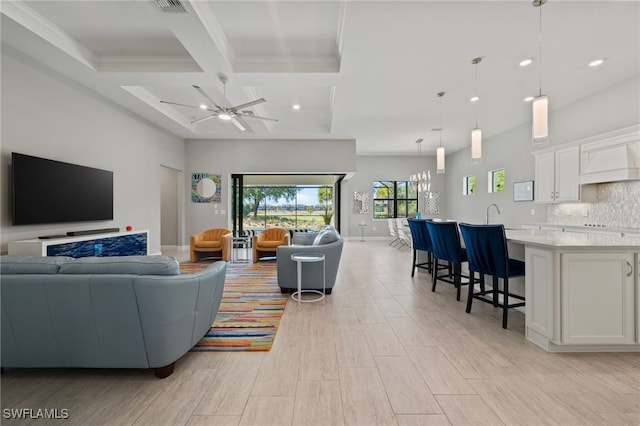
308, 207
392, 199
469, 185
496, 180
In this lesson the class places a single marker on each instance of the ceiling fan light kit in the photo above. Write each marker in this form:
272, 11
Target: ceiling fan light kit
222, 111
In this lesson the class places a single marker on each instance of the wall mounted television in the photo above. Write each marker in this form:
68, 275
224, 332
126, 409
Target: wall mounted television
49, 191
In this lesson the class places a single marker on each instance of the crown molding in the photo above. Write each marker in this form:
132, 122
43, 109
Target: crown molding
48, 31
289, 64
147, 64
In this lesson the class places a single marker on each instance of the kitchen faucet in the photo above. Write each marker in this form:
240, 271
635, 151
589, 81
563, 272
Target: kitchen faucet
497, 209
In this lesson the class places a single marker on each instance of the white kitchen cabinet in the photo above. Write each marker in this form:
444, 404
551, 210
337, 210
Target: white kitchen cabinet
598, 298
557, 175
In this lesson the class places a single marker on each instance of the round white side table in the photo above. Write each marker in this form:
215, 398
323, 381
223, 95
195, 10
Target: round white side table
301, 258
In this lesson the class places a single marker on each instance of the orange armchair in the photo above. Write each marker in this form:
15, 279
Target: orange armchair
210, 242
266, 243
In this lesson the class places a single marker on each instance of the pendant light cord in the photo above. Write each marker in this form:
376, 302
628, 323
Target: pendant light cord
477, 93
440, 95
540, 49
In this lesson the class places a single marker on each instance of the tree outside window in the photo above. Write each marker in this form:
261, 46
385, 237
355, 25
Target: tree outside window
392, 199
496, 180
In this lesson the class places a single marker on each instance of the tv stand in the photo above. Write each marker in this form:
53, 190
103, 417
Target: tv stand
110, 244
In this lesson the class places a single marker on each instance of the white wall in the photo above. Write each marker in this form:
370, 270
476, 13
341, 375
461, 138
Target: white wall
375, 168
47, 115
228, 157
610, 109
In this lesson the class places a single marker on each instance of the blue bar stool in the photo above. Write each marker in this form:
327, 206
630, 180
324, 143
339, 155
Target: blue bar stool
445, 241
422, 242
487, 254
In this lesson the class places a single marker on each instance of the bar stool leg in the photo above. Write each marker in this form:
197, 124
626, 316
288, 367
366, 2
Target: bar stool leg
505, 302
495, 292
413, 266
470, 297
457, 279
434, 274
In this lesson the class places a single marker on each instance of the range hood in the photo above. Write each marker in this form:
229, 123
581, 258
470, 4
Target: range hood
611, 157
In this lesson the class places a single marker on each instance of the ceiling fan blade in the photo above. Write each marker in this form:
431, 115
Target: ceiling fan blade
237, 124
248, 104
206, 97
245, 115
204, 118
175, 103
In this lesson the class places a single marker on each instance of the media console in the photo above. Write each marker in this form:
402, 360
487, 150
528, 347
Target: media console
110, 244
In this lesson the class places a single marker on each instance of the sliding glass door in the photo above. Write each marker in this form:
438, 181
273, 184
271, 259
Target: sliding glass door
264, 201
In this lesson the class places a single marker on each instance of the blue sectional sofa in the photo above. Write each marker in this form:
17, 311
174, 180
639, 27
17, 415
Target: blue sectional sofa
104, 312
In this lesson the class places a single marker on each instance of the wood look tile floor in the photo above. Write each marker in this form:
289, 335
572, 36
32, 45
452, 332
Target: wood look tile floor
381, 350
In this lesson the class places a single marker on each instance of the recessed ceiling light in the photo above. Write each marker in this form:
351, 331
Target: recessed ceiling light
528, 98
296, 106
475, 99
526, 62
203, 106
596, 62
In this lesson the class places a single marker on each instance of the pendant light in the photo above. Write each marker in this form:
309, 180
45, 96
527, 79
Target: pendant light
476, 133
421, 181
540, 119
440, 154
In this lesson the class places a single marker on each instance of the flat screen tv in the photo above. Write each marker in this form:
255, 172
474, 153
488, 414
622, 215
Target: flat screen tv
48, 191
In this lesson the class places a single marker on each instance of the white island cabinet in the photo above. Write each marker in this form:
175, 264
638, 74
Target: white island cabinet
582, 290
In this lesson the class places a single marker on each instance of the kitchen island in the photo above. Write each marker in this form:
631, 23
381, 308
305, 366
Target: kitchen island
581, 290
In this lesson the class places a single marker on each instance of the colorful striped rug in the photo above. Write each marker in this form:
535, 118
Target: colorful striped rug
250, 311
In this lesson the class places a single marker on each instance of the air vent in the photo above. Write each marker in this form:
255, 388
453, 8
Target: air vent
174, 6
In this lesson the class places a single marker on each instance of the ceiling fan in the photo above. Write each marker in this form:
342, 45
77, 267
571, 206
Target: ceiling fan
223, 112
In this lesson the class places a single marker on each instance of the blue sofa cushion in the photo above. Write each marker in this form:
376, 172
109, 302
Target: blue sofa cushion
134, 265
326, 236
11, 264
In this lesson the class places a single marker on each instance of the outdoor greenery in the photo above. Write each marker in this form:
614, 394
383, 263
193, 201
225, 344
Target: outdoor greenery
279, 206
497, 180
392, 199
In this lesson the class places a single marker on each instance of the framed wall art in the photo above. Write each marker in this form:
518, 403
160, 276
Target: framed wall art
361, 202
206, 187
523, 191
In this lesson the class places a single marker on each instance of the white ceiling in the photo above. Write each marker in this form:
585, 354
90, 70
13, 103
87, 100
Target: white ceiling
368, 70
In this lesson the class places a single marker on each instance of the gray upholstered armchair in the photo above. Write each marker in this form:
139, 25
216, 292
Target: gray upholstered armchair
328, 242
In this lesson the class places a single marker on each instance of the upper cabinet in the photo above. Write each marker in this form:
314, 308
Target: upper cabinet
557, 176
562, 173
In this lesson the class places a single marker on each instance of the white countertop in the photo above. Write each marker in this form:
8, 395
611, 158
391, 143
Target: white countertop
583, 228
571, 239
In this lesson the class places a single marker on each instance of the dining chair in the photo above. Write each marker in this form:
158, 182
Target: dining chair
488, 254
445, 241
393, 232
402, 236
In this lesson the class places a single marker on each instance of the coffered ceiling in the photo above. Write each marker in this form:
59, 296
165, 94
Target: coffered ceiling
368, 70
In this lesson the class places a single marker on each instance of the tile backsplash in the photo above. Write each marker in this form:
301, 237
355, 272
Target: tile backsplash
617, 205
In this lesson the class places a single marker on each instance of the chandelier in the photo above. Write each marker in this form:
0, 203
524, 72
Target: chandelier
421, 181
